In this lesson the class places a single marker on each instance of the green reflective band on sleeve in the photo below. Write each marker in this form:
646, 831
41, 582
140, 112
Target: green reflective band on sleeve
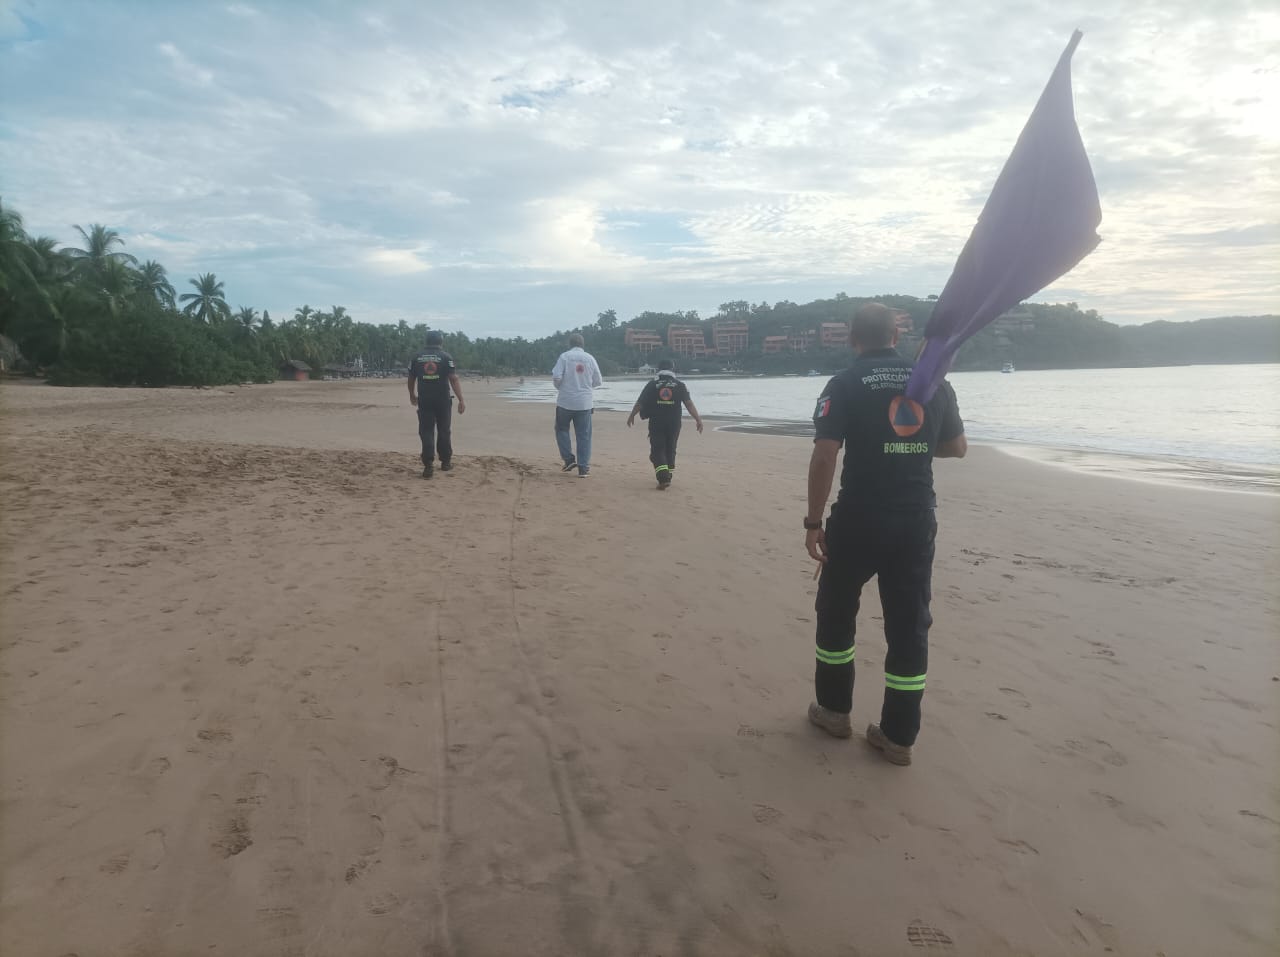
901, 683
835, 657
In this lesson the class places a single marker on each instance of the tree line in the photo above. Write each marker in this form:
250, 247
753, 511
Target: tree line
94, 314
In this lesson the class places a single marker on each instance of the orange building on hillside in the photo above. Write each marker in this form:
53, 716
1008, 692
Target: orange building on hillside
686, 341
642, 340
731, 336
834, 335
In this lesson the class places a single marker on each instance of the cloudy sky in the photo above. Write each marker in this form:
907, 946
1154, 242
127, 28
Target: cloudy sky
517, 167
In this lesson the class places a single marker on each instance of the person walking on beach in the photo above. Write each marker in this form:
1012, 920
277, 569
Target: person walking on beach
882, 524
660, 403
575, 375
433, 373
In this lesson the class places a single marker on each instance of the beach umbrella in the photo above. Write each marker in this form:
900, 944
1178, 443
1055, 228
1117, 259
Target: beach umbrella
1040, 220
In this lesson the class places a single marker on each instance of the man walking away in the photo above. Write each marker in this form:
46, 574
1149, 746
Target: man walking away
575, 375
660, 403
432, 373
882, 525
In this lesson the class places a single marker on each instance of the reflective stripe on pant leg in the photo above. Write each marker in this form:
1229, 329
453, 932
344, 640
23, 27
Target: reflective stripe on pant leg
903, 682
847, 569
904, 595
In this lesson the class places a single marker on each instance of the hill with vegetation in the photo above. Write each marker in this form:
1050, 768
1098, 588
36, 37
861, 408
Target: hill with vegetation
93, 314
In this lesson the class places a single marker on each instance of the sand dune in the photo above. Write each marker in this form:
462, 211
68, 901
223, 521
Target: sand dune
267, 692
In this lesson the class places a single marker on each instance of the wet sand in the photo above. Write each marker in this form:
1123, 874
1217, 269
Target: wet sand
267, 692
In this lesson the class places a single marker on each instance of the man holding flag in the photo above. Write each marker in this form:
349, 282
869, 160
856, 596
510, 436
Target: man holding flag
1040, 220
882, 524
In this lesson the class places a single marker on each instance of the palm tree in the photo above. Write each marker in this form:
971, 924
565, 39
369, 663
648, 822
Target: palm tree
99, 242
115, 283
16, 257
208, 302
48, 262
248, 319
152, 281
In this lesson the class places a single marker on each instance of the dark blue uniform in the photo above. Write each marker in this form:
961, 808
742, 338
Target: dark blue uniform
661, 401
882, 524
431, 370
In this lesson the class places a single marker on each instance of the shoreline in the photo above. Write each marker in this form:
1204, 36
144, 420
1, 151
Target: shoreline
1165, 470
1168, 470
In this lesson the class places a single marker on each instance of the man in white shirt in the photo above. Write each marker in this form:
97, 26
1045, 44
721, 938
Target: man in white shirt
575, 375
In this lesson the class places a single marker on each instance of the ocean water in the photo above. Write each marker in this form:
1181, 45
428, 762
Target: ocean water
1208, 416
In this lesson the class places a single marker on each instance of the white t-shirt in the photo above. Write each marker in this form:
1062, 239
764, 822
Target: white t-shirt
575, 375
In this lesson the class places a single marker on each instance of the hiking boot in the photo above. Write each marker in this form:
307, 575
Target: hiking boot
893, 753
833, 722
446, 466
427, 471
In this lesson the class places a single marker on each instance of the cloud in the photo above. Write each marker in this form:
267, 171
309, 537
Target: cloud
551, 160
396, 262
183, 68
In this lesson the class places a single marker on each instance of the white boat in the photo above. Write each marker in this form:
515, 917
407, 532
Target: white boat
1007, 367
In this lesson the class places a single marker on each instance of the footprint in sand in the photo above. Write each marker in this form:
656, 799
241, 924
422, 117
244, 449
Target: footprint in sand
920, 934
382, 904
235, 836
1130, 815
764, 814
1022, 847
115, 865
1019, 698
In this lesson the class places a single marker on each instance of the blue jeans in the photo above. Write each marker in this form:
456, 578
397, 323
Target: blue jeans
582, 427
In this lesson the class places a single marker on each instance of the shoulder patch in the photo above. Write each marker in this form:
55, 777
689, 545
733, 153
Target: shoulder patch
824, 407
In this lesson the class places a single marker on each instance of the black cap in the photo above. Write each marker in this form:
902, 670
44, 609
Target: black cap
435, 338
665, 364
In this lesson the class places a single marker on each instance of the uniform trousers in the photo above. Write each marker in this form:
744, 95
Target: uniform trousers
663, 437
434, 427
897, 548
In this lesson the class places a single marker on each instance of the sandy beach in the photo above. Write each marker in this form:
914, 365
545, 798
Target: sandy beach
267, 692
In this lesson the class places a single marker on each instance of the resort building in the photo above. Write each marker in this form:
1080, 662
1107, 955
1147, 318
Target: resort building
731, 336
686, 341
642, 340
835, 335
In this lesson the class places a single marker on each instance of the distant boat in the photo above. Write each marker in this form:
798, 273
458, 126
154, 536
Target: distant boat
814, 372
1007, 367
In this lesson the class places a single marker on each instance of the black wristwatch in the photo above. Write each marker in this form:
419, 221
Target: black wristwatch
810, 526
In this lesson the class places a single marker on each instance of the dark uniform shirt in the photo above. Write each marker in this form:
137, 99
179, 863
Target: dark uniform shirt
432, 369
889, 439
662, 399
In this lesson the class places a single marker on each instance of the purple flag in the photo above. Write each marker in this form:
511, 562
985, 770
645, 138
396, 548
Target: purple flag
1040, 220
